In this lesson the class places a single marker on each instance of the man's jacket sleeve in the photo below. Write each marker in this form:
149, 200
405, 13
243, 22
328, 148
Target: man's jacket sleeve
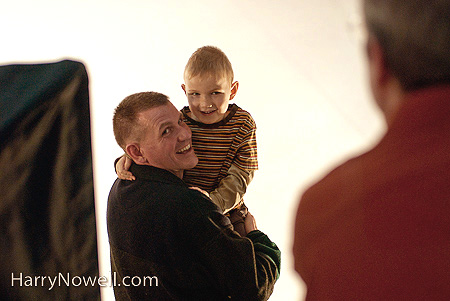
244, 268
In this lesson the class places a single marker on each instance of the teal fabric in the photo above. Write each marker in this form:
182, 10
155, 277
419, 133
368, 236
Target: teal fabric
23, 87
47, 210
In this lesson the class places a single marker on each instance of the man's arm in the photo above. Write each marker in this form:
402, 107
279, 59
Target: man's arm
245, 268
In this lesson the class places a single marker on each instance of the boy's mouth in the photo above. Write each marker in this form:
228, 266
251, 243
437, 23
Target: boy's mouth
185, 149
207, 112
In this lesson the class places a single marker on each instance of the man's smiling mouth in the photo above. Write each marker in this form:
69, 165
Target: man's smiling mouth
184, 149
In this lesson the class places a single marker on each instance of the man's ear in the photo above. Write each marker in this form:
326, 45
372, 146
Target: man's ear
134, 152
234, 89
386, 89
379, 72
183, 86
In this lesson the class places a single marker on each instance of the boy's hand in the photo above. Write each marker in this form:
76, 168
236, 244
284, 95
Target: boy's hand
249, 223
201, 190
122, 167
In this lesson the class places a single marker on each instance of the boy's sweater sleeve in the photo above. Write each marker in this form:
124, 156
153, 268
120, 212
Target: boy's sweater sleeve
232, 188
117, 160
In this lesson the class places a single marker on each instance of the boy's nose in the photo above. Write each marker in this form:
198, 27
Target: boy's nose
204, 102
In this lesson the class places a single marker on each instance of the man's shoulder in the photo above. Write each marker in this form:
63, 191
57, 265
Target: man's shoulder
176, 195
140, 200
346, 181
152, 185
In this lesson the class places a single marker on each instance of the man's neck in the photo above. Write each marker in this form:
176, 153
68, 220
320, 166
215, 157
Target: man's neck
389, 97
178, 173
394, 100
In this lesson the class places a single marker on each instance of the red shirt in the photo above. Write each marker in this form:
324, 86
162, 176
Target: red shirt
378, 226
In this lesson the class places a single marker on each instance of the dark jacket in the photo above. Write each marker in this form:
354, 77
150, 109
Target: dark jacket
160, 228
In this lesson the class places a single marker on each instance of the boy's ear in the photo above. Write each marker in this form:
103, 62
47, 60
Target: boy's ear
134, 152
183, 86
234, 89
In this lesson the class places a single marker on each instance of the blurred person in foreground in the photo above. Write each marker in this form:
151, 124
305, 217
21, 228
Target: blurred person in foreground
378, 226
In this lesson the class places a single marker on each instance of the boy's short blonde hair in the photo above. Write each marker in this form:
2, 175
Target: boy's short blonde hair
209, 60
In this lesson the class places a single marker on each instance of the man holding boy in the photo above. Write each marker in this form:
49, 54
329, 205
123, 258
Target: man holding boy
158, 227
223, 134
378, 226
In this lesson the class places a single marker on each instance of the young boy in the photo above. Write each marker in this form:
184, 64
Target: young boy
223, 135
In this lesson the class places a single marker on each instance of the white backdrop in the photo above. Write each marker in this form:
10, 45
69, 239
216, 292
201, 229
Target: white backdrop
300, 65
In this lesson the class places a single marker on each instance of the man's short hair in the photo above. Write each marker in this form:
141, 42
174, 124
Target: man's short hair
209, 60
415, 36
125, 120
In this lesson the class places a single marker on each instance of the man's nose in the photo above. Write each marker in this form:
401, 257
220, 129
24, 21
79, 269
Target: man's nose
185, 132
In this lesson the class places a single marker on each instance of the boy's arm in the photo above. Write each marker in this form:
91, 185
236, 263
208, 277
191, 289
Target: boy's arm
122, 165
232, 188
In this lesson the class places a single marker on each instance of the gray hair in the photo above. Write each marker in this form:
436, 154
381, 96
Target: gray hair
415, 36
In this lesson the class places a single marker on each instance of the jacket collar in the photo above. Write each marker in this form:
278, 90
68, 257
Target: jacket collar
155, 174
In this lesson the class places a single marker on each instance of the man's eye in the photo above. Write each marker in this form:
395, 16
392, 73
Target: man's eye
166, 132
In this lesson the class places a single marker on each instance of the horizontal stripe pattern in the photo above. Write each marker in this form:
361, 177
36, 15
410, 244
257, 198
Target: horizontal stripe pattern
217, 146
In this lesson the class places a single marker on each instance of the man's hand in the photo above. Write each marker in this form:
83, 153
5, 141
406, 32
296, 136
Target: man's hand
249, 223
122, 167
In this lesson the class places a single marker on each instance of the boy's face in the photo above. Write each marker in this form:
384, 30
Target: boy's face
208, 97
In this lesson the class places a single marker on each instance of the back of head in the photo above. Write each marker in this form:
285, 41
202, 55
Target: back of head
125, 120
209, 60
415, 36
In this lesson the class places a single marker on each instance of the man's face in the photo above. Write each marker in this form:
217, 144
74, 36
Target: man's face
208, 97
166, 141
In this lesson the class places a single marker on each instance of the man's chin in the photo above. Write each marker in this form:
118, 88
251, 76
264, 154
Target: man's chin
193, 163
188, 161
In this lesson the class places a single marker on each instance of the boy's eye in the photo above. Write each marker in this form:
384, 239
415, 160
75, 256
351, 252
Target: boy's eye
216, 93
194, 94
